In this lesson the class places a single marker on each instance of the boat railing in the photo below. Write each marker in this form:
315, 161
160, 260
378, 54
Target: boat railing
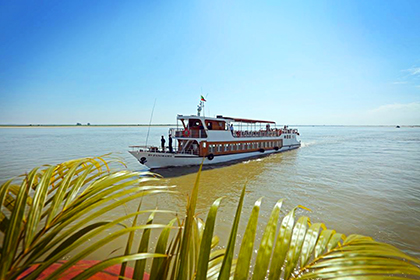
260, 133
155, 149
263, 133
201, 133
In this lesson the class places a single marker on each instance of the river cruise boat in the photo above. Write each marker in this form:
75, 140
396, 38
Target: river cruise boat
217, 140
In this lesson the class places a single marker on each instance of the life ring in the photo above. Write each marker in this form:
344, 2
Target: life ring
210, 156
186, 133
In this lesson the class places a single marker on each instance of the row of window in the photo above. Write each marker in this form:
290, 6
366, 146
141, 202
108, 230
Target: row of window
219, 148
289, 136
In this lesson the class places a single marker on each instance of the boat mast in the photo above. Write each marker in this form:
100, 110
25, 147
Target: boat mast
200, 107
150, 122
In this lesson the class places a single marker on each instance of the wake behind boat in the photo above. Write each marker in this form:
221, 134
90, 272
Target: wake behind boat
217, 140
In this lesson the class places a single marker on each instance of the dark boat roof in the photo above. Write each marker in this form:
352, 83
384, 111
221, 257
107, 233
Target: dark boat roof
219, 117
245, 120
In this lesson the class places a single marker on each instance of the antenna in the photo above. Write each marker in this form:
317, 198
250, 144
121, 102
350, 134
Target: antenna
202, 105
208, 109
150, 122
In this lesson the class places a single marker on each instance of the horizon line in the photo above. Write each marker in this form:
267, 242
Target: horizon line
168, 124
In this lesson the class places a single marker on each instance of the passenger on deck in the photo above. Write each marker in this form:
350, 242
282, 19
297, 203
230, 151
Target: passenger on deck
170, 144
231, 128
162, 141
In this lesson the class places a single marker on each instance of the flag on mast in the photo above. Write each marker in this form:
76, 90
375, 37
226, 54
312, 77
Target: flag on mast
202, 99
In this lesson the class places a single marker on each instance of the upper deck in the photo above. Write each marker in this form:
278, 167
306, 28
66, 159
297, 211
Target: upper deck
226, 128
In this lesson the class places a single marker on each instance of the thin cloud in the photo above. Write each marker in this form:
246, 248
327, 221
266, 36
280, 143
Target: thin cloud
389, 114
406, 114
414, 71
411, 76
415, 106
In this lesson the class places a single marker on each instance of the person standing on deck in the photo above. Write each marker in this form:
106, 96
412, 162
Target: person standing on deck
170, 144
163, 144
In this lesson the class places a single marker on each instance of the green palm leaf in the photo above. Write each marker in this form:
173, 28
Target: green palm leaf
245, 253
54, 211
267, 243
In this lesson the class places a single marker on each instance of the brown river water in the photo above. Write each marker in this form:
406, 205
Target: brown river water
363, 180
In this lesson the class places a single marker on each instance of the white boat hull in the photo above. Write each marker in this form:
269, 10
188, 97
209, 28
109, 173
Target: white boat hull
162, 160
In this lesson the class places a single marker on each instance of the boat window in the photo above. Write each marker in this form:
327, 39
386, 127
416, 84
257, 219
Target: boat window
209, 125
195, 124
215, 125
226, 147
204, 144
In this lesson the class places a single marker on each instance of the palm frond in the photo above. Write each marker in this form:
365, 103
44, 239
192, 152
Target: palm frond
54, 211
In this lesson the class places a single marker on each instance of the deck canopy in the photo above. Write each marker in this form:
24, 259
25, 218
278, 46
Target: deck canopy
219, 117
246, 120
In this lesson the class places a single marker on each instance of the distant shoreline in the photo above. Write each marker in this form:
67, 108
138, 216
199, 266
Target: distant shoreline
74, 125
171, 125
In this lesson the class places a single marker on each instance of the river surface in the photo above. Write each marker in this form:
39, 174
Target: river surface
362, 180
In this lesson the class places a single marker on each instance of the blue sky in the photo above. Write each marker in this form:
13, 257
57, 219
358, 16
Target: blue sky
294, 62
